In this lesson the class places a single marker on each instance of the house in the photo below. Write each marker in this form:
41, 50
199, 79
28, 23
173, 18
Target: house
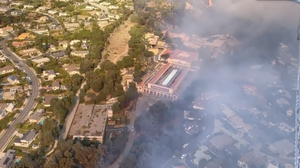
24, 36
62, 14
5, 30
270, 165
201, 154
249, 159
49, 75
282, 102
41, 60
36, 116
5, 108
181, 166
16, 3
250, 90
52, 12
81, 54
63, 44
41, 9
55, 85
18, 44
54, 27
88, 7
198, 104
48, 99
8, 159
6, 69
72, 69
71, 25
41, 31
221, 141
209, 95
58, 54
28, 6
212, 164
16, 13
232, 150
282, 147
2, 58
289, 112
285, 127
30, 52
4, 9
43, 19
26, 139
13, 80
10, 92
269, 120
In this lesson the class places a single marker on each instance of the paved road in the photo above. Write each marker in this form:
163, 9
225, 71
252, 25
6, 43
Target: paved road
7, 135
141, 104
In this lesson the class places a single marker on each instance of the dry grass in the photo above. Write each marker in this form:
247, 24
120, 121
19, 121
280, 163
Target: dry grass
118, 47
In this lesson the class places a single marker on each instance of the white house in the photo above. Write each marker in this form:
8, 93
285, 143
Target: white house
62, 14
82, 53
88, 7
41, 31
28, 6
49, 75
41, 60
52, 12
26, 139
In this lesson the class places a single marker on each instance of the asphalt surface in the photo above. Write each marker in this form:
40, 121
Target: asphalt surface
7, 135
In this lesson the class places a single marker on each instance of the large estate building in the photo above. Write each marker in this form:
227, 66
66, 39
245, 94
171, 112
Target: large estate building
165, 80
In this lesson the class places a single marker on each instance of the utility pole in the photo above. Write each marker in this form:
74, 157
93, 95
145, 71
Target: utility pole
297, 109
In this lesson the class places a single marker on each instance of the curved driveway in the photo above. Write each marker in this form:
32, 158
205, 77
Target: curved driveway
8, 134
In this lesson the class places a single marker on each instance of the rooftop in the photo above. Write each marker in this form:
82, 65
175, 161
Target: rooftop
89, 120
212, 164
221, 141
251, 159
36, 115
183, 55
283, 146
48, 99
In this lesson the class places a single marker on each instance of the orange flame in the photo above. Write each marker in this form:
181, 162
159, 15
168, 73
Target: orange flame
209, 2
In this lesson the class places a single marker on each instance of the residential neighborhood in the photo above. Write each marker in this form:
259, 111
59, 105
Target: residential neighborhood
124, 84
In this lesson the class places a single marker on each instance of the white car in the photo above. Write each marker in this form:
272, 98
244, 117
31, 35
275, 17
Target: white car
183, 156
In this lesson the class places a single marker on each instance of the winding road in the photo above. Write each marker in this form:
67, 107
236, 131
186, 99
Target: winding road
8, 134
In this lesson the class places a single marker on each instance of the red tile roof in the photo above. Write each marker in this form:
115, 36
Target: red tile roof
183, 55
160, 72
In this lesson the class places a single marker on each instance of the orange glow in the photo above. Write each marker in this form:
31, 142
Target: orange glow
209, 2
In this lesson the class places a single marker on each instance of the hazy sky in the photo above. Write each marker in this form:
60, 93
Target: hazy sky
248, 18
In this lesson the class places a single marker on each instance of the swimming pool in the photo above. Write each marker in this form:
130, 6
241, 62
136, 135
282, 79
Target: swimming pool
17, 160
42, 122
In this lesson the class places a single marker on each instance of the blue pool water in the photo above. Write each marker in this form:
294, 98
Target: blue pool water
42, 122
17, 160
